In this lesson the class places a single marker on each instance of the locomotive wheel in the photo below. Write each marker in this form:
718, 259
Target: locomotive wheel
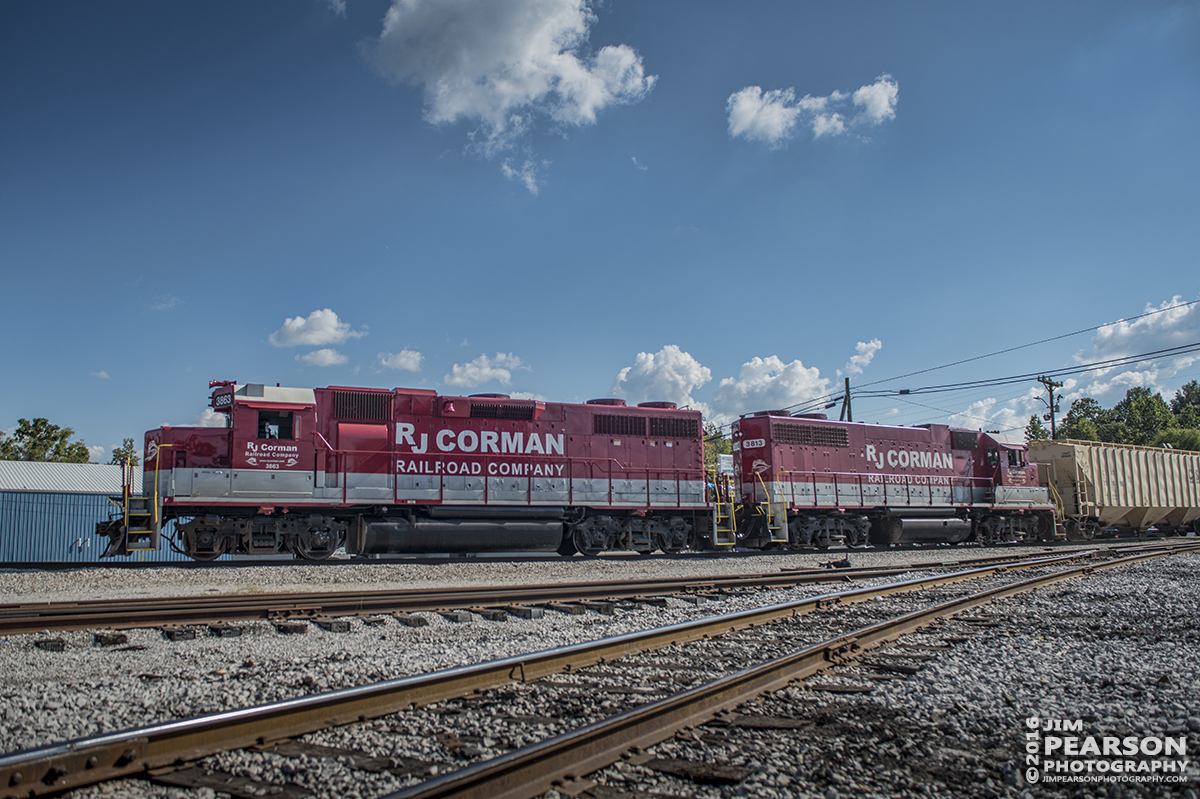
205, 557
193, 538
584, 545
314, 544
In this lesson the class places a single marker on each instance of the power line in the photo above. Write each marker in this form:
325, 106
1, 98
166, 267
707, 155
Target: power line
1033, 344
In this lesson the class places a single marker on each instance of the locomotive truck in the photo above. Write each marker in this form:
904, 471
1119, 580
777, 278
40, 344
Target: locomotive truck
382, 471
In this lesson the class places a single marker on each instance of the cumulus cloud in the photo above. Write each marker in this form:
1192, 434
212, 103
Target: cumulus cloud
323, 357
527, 395
1173, 323
669, 375
319, 327
210, 418
483, 369
96, 454
404, 360
766, 384
865, 353
773, 117
506, 64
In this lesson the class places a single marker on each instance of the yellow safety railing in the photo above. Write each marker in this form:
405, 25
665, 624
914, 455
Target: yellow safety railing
724, 510
772, 525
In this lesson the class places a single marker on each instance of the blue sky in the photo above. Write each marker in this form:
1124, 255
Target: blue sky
728, 205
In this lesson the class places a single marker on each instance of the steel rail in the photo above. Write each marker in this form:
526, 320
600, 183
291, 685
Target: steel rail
33, 617
63, 766
539, 767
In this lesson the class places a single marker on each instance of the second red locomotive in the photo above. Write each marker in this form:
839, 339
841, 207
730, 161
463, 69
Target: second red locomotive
808, 481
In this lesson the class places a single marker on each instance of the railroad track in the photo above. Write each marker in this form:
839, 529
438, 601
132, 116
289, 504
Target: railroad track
532, 770
121, 614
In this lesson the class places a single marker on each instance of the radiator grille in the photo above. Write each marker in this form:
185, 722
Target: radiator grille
811, 435
605, 425
362, 405
668, 427
497, 410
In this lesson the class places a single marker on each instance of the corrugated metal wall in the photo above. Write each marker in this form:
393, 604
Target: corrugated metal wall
50, 527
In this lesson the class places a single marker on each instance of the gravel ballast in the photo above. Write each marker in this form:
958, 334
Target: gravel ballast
1094, 649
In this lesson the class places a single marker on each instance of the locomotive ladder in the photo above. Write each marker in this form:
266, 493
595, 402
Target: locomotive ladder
774, 509
724, 513
138, 514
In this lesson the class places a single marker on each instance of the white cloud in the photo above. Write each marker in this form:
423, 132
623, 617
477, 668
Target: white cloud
527, 395
527, 175
1169, 324
210, 418
866, 352
323, 357
638, 165
103, 375
337, 6
320, 327
506, 63
96, 454
878, 100
669, 375
165, 302
769, 117
483, 369
766, 384
773, 117
404, 360
987, 414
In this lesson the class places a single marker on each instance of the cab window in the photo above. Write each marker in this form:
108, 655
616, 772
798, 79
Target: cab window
276, 424
1014, 458
993, 457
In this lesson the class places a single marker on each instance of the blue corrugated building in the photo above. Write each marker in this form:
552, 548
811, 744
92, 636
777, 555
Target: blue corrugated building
49, 511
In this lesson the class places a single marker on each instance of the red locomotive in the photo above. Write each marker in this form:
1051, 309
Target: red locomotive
407, 471
807, 481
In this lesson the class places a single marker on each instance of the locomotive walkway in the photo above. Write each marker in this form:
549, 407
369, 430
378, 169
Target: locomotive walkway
532, 770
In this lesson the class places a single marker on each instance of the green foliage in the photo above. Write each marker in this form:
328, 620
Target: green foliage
1138, 419
715, 443
1186, 405
1081, 422
41, 441
1035, 430
1144, 416
1179, 438
126, 453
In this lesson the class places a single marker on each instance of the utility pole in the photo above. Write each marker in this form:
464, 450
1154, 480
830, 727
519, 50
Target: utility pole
1052, 404
847, 415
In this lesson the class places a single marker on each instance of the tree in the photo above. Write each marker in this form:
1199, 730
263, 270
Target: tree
1144, 416
715, 443
1035, 430
41, 441
1186, 405
1081, 421
1179, 438
126, 453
